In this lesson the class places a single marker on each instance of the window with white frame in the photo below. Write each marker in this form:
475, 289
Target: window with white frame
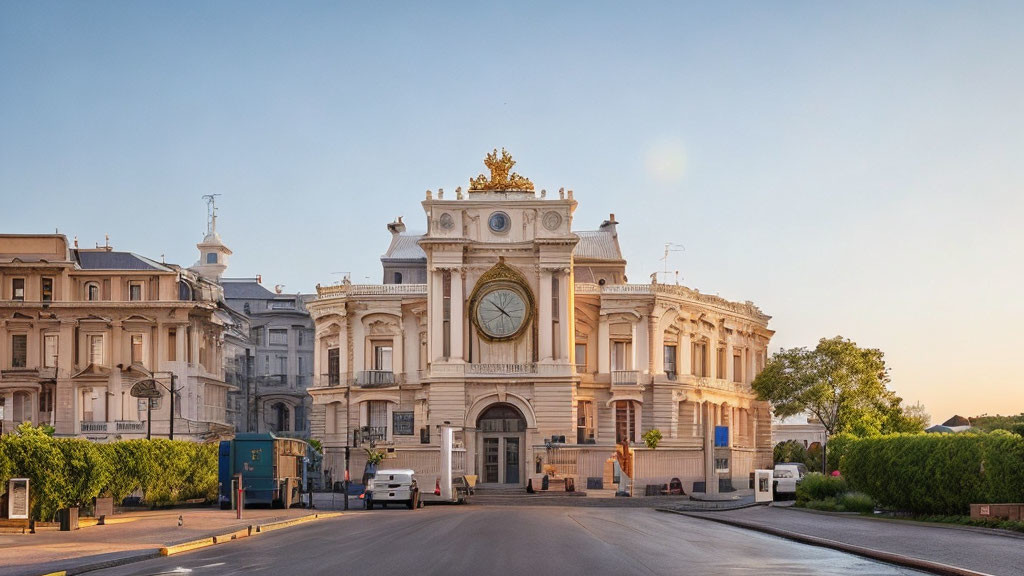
581, 357
584, 422
50, 349
620, 355
95, 342
382, 356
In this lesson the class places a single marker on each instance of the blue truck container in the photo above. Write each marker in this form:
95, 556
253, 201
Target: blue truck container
271, 468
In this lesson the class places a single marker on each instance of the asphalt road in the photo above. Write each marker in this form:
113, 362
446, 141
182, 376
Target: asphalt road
483, 540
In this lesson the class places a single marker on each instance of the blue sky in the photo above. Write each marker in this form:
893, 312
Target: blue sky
853, 169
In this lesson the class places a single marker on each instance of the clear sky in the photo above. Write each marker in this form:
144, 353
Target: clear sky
852, 168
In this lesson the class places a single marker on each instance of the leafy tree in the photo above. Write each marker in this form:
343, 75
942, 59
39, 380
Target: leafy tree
841, 384
789, 451
652, 438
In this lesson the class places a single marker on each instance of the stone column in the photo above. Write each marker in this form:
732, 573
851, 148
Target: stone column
656, 342
603, 357
179, 343
567, 337
728, 361
544, 317
685, 353
458, 317
435, 347
710, 477
634, 346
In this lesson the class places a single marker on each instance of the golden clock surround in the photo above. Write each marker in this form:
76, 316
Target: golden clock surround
501, 276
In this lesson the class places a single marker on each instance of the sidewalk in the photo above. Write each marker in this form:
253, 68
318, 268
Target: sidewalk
124, 535
983, 552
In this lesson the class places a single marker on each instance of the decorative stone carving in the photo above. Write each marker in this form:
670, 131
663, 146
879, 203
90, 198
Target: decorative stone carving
446, 222
552, 220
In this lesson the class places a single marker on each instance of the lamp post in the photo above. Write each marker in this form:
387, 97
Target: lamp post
147, 389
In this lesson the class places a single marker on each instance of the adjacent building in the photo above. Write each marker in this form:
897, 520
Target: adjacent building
79, 328
506, 322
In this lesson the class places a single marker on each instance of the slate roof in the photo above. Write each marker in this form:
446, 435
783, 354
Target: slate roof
597, 245
405, 247
103, 260
245, 289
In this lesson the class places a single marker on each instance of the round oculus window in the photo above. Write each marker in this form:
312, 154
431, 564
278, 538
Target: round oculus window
499, 222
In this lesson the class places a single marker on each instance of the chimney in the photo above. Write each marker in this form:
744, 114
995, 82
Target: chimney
396, 227
259, 278
609, 224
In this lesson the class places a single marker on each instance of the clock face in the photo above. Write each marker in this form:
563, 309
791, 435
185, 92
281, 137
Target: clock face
501, 313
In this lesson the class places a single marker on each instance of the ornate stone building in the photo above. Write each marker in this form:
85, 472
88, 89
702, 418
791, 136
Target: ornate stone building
79, 327
526, 336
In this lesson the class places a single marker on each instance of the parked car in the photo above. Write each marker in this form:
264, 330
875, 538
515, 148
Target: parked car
392, 486
787, 476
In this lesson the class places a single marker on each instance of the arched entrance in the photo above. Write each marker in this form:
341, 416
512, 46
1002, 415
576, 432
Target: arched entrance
501, 436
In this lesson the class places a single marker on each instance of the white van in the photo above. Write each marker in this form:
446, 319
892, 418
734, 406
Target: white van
392, 486
787, 476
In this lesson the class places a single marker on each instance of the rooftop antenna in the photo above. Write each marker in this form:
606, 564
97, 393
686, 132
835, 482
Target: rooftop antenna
211, 213
670, 247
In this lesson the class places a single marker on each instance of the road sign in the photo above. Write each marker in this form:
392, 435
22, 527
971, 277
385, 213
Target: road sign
146, 389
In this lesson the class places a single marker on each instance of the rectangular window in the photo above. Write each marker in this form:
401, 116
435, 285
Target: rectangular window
19, 350
278, 337
446, 313
555, 329
625, 421
737, 368
584, 422
266, 365
18, 289
720, 364
256, 335
382, 358
46, 290
333, 367
282, 365
620, 356
96, 349
302, 335
670, 360
581, 357
376, 420
172, 344
136, 348
700, 359
49, 350
135, 291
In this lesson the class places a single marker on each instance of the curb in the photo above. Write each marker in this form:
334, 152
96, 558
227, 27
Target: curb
871, 553
164, 551
911, 522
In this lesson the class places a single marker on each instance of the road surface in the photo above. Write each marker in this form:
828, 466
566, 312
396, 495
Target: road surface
483, 540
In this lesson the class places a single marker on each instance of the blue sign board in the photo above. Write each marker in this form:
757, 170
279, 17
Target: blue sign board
721, 436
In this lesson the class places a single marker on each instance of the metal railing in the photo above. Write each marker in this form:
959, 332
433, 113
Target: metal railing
94, 427
375, 379
625, 377
369, 434
130, 426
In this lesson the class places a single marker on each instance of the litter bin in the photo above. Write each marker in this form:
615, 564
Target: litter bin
69, 519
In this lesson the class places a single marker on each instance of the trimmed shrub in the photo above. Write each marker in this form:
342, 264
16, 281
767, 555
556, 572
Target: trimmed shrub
857, 502
836, 447
70, 471
937, 473
817, 486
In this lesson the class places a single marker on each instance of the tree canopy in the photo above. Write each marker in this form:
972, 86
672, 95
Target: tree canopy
841, 384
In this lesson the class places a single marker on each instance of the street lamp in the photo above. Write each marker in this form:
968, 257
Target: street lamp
148, 389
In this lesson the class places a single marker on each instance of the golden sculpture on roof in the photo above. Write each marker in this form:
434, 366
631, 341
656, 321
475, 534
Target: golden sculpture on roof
502, 177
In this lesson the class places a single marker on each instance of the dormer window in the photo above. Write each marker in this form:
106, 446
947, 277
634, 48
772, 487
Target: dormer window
211, 258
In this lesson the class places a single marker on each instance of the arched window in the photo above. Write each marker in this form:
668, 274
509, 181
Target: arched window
398, 277
211, 258
92, 291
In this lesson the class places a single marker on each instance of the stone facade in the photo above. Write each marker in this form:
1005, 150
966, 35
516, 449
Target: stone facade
526, 336
79, 327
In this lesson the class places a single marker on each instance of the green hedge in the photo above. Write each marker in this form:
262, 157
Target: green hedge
937, 473
817, 486
71, 471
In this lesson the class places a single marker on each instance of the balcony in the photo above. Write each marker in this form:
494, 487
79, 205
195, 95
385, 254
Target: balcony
369, 435
130, 426
625, 377
375, 379
87, 427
